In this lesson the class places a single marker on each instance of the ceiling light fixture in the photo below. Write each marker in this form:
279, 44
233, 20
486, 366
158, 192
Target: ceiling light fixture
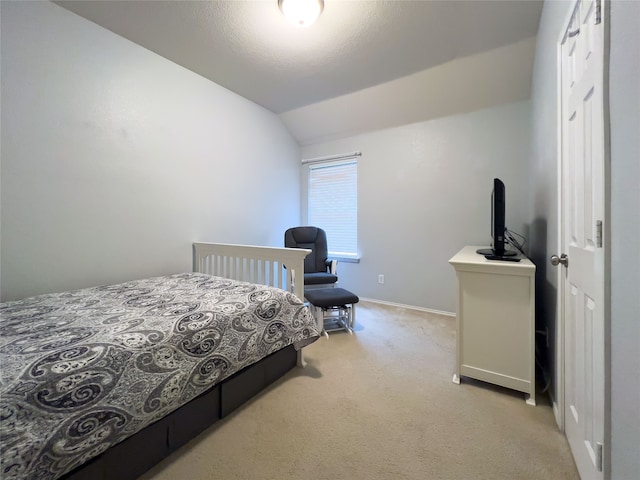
301, 13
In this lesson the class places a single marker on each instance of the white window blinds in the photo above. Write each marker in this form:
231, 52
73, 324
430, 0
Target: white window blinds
333, 205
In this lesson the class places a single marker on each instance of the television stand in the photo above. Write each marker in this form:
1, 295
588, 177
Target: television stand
489, 251
495, 321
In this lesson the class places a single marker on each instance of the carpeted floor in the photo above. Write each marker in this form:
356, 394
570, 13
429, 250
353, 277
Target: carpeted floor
377, 405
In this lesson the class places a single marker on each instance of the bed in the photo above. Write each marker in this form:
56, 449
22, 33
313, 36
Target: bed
104, 382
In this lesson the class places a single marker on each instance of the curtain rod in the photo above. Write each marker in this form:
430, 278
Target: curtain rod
342, 156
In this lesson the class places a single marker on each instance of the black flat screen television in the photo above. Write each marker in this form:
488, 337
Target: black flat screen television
498, 227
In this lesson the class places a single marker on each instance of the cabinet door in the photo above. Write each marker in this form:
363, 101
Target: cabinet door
496, 329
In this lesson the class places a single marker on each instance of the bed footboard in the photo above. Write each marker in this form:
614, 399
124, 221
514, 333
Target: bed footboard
273, 266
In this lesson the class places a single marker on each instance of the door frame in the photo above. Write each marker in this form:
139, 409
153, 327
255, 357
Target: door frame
559, 401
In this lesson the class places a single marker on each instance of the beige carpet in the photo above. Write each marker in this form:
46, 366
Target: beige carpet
379, 405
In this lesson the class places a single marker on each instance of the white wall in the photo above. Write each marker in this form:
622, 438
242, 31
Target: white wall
625, 232
543, 172
624, 71
424, 193
114, 160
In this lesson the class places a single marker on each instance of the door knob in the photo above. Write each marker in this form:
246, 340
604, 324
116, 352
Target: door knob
563, 259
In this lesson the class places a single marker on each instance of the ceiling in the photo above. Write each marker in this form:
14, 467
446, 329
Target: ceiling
249, 48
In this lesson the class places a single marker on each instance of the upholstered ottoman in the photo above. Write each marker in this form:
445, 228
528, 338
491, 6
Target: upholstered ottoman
333, 308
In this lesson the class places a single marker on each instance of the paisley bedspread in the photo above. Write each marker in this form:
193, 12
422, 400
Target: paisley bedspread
81, 371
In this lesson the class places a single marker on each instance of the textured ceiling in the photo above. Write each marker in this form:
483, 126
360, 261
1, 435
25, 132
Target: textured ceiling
248, 47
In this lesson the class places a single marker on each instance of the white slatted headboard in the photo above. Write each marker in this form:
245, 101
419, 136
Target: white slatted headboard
248, 263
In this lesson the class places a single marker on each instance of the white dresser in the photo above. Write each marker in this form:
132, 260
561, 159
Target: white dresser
495, 339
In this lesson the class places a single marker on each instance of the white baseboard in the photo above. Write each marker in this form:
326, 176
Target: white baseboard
410, 307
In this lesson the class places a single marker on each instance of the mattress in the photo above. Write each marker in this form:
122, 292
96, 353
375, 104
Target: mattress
82, 370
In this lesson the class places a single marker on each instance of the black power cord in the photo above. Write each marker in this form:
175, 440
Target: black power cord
510, 237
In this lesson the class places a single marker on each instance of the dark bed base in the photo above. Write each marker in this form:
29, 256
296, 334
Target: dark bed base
137, 454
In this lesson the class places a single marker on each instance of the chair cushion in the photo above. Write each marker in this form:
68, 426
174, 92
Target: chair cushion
319, 278
330, 297
313, 238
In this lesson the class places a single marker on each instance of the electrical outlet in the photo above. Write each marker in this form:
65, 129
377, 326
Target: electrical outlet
381, 279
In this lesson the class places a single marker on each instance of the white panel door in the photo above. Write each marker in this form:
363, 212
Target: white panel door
582, 219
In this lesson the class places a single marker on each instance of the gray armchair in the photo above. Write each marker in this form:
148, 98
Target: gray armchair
319, 271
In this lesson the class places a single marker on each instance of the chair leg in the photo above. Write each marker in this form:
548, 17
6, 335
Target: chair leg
318, 313
353, 316
343, 315
350, 318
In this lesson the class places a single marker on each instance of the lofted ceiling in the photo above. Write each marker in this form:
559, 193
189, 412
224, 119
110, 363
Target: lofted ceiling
250, 49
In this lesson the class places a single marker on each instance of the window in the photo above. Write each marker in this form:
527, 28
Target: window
333, 205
